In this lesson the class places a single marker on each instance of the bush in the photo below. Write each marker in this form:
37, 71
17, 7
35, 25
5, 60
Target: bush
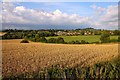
87, 42
119, 39
65, 42
37, 40
83, 42
72, 42
114, 40
97, 42
51, 40
105, 37
24, 41
33, 39
60, 40
77, 42
43, 39
54, 40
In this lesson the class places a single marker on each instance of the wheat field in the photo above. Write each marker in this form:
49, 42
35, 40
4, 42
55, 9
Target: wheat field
18, 58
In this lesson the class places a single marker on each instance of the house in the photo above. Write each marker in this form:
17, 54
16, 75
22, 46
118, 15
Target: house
60, 33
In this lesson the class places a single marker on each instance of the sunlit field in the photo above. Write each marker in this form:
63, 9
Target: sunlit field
19, 58
90, 38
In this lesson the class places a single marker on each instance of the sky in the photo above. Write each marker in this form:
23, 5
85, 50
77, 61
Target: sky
59, 15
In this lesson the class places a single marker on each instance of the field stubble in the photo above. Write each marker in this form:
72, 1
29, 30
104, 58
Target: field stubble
18, 58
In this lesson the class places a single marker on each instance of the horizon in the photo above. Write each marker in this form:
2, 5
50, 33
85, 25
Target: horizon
59, 15
62, 29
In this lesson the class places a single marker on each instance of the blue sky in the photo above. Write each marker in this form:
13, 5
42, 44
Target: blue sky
60, 15
81, 8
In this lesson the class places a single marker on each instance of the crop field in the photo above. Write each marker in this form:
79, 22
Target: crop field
19, 57
90, 39
2, 33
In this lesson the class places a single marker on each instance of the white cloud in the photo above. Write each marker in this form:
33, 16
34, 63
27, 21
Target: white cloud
104, 17
99, 10
111, 14
57, 11
20, 14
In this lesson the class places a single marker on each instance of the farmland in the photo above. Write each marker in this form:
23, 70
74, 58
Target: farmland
2, 33
19, 58
88, 38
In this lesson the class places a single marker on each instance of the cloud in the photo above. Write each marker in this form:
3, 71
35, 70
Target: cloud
111, 14
104, 18
23, 15
99, 10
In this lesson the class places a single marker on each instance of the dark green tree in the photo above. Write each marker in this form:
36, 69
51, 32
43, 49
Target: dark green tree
36, 36
116, 32
83, 42
72, 42
51, 40
105, 37
43, 39
118, 38
77, 42
60, 40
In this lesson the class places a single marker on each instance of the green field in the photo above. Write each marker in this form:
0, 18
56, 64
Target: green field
90, 38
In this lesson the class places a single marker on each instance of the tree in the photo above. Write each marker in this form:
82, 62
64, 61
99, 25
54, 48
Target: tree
29, 35
8, 37
25, 37
43, 39
37, 40
83, 42
105, 37
42, 34
33, 39
119, 39
77, 42
36, 36
13, 37
72, 42
51, 40
116, 32
82, 32
60, 40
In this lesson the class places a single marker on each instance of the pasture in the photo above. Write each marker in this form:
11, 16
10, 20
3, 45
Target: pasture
90, 38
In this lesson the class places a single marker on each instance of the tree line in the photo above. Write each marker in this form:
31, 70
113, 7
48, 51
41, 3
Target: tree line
39, 36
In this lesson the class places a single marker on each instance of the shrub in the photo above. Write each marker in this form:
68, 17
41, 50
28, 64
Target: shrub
83, 42
97, 42
72, 42
51, 40
105, 37
119, 39
77, 42
24, 41
65, 42
33, 39
43, 39
60, 40
87, 42
114, 40
37, 40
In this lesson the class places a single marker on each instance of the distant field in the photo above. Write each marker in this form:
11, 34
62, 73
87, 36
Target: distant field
18, 58
2, 33
91, 38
